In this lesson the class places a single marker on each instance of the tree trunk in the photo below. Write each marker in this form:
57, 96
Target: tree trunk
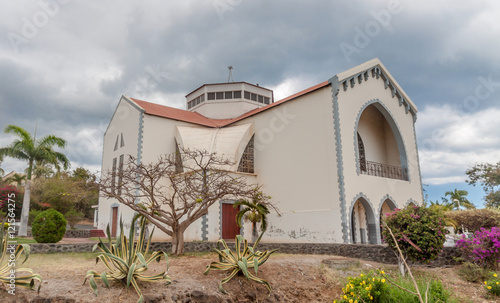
178, 242
402, 267
255, 235
23, 228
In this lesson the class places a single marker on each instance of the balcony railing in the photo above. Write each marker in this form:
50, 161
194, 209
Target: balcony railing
383, 170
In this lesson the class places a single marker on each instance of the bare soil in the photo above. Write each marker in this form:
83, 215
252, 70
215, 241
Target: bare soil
294, 278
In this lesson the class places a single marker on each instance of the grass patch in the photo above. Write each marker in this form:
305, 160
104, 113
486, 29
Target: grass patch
21, 240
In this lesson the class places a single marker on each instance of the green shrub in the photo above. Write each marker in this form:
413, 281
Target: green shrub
420, 232
437, 293
126, 260
49, 227
73, 217
471, 272
364, 288
475, 219
373, 287
244, 258
492, 286
32, 215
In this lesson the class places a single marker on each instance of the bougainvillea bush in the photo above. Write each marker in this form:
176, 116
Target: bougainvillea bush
482, 249
419, 230
11, 192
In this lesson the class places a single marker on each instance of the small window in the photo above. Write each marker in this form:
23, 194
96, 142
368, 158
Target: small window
116, 144
247, 95
120, 175
266, 100
237, 94
254, 97
228, 95
247, 159
261, 99
202, 97
197, 101
211, 96
178, 160
219, 95
122, 143
113, 176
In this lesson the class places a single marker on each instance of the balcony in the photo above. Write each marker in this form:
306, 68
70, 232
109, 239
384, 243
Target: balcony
383, 170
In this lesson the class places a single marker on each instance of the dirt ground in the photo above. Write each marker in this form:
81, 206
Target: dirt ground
294, 278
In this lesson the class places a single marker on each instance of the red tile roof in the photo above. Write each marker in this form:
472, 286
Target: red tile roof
196, 118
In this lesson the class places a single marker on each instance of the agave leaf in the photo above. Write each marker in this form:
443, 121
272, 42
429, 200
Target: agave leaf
130, 275
141, 259
256, 264
93, 285
243, 267
104, 279
227, 279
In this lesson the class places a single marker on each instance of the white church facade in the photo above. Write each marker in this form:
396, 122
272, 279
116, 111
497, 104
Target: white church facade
335, 157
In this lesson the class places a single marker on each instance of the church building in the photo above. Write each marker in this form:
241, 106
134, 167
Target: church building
335, 157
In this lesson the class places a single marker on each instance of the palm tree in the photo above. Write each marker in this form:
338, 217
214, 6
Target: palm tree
1, 170
16, 178
255, 211
458, 199
33, 151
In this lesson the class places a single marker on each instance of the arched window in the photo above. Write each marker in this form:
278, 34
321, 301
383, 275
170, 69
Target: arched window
247, 159
381, 149
362, 156
178, 160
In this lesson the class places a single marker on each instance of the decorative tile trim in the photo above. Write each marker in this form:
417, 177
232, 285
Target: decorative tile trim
377, 72
139, 150
340, 166
371, 216
204, 227
395, 129
418, 162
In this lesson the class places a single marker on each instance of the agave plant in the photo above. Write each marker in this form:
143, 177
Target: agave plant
241, 261
6, 275
126, 261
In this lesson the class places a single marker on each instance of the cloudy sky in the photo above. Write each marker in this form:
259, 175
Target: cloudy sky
64, 64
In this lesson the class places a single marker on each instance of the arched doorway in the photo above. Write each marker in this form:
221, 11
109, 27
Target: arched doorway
363, 224
386, 207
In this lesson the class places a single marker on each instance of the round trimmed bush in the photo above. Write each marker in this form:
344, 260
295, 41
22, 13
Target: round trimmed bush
49, 227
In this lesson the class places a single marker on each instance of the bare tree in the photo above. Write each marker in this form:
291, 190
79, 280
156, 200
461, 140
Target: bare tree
176, 190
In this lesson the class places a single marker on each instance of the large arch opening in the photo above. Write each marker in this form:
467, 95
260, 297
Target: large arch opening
380, 149
363, 224
386, 207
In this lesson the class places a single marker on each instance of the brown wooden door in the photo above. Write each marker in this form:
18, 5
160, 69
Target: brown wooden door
229, 227
114, 221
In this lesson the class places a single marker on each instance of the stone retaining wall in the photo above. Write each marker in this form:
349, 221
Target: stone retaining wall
377, 253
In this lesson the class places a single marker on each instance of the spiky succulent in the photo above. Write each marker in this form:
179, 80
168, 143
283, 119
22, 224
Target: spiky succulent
126, 260
6, 269
242, 260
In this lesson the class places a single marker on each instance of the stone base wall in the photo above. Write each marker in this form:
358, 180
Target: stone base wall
377, 253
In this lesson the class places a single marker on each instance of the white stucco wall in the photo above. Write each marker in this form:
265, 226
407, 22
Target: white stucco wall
295, 161
126, 121
376, 189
